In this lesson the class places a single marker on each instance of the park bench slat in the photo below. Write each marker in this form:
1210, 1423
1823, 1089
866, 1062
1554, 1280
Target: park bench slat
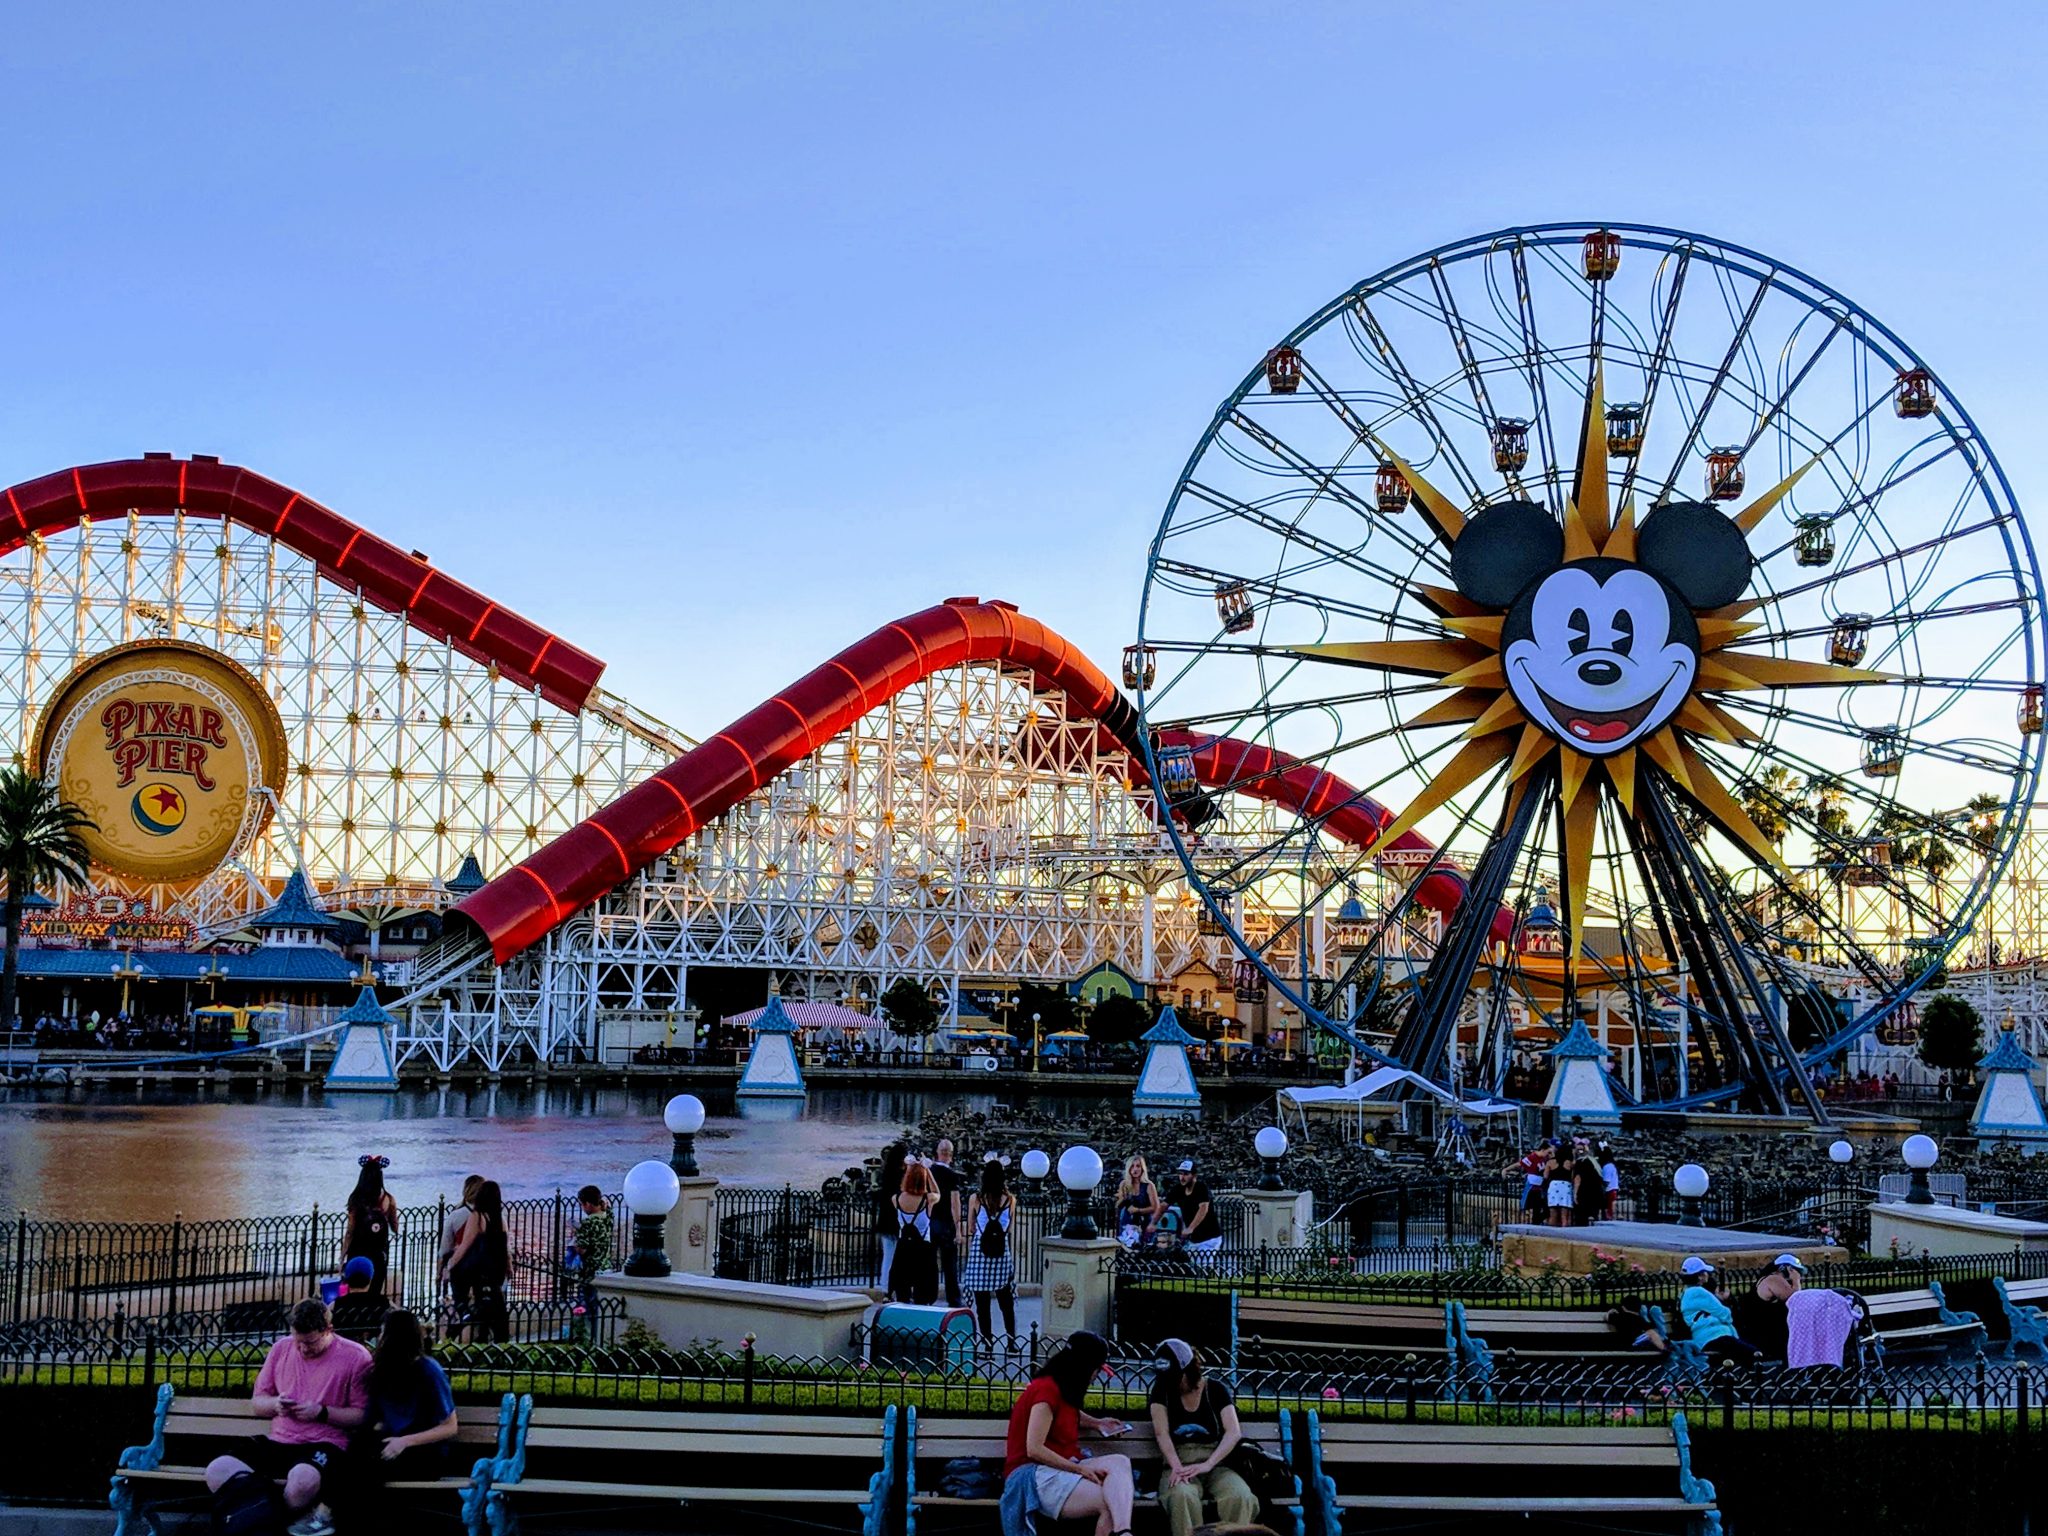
574, 1487
1468, 1504
723, 1423
1554, 1454
699, 1442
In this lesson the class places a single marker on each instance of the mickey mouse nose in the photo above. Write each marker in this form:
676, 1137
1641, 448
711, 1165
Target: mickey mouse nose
1598, 674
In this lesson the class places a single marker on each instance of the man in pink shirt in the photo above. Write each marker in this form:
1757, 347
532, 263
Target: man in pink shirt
314, 1389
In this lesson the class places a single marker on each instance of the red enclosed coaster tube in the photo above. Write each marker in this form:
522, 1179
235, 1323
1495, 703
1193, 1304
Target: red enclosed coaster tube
158, 485
524, 904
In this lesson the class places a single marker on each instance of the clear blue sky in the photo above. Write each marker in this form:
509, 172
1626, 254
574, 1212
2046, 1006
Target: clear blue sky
715, 335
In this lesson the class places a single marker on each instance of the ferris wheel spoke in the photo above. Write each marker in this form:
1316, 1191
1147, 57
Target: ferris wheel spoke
1419, 400
1230, 507
1864, 567
1938, 751
1282, 710
1213, 577
1713, 393
1533, 361
1659, 360
1902, 619
1468, 362
1865, 502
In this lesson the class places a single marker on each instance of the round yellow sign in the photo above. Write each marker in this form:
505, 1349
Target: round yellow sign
173, 750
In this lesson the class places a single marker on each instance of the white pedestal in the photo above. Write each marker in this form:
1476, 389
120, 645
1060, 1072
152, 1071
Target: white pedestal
693, 1226
1946, 1229
1278, 1218
694, 1310
1078, 1281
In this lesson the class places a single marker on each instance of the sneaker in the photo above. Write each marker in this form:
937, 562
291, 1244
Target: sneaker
318, 1523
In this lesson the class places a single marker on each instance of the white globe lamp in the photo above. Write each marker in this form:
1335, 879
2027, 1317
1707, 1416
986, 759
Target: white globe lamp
1080, 1172
1921, 1153
684, 1117
652, 1191
1690, 1180
1271, 1145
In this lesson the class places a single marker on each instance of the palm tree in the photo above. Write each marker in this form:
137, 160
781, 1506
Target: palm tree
40, 842
1981, 820
1768, 801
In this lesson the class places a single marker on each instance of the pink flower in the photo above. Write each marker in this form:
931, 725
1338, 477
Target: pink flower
1330, 1394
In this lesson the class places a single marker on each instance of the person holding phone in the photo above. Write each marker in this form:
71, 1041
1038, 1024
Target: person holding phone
314, 1389
1044, 1445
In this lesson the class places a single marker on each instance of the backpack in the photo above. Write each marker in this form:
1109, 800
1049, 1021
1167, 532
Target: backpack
906, 1228
994, 1240
248, 1505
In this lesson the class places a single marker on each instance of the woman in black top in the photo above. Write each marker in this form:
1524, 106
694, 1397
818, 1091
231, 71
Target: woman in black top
372, 1218
1194, 1420
482, 1262
888, 1185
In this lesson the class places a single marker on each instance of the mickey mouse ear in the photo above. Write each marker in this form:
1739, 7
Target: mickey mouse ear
1502, 549
1697, 550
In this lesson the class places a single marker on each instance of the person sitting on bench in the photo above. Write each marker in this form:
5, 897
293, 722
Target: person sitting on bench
1043, 1469
1194, 1419
1707, 1318
1630, 1320
312, 1389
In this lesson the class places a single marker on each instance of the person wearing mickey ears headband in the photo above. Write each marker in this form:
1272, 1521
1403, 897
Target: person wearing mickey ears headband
1044, 1471
372, 1220
1194, 1419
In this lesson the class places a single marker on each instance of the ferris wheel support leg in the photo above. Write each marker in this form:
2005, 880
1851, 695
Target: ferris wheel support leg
1440, 996
1767, 1011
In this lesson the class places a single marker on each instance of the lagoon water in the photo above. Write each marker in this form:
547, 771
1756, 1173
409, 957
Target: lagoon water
115, 1155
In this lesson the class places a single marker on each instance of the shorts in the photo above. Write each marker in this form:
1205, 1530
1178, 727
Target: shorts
1055, 1486
1560, 1194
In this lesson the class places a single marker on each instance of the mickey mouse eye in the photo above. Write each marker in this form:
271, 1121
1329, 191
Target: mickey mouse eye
1624, 632
1581, 629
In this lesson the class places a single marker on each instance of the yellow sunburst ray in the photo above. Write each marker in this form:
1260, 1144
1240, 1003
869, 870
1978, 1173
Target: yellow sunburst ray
1661, 748
1481, 628
1715, 633
1585, 518
1621, 543
1465, 704
1502, 714
1441, 512
1529, 751
1727, 812
1451, 604
1707, 718
1575, 863
1428, 658
1487, 672
1472, 760
1621, 773
1571, 773
1738, 671
1758, 510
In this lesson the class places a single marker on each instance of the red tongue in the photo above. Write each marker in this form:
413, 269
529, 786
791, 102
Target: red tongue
1607, 730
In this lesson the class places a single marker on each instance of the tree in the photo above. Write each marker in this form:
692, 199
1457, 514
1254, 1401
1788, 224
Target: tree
910, 1009
1951, 1034
40, 842
1053, 1005
1983, 816
1769, 800
1118, 1020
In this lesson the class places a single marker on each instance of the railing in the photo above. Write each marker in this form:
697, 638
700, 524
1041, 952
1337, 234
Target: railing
790, 1236
85, 1271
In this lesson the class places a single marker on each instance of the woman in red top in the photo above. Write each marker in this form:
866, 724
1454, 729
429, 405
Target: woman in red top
1045, 1434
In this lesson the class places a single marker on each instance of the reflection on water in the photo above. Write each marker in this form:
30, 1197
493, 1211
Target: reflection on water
134, 1155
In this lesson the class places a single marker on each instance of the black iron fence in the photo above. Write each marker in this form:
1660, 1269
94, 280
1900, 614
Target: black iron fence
85, 1271
791, 1236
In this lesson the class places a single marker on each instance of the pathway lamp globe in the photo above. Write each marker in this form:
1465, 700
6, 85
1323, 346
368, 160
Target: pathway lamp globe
1271, 1145
651, 1193
1080, 1172
684, 1117
1036, 1166
1920, 1153
1691, 1183
1841, 1154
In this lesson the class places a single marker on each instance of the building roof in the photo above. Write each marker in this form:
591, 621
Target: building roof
294, 908
288, 964
773, 1019
806, 1016
1168, 1031
468, 878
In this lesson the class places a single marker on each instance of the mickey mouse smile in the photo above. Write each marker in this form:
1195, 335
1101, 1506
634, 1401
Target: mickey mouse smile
1595, 727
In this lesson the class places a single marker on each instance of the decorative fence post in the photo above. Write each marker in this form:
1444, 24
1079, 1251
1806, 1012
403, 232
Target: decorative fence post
20, 1264
747, 1371
177, 1260
312, 1253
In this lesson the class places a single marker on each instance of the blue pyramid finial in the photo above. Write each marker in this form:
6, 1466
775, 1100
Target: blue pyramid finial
294, 908
1168, 1031
470, 877
366, 1009
774, 1019
1577, 1045
2006, 1056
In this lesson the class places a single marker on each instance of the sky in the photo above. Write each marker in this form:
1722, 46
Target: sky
713, 337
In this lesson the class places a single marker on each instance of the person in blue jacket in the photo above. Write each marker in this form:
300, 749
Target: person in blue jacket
1707, 1318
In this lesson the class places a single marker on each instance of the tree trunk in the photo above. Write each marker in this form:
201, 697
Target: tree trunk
12, 965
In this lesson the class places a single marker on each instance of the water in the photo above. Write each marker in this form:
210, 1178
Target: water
140, 1155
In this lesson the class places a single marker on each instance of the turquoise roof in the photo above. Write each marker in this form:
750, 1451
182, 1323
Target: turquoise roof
1168, 1031
775, 1019
468, 878
2006, 1056
294, 908
366, 1010
280, 962
1353, 911
1577, 1045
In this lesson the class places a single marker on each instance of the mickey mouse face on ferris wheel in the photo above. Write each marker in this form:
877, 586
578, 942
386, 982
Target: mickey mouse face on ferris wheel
1600, 652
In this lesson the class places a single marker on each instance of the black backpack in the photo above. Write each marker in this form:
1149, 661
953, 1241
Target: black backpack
248, 1505
994, 1240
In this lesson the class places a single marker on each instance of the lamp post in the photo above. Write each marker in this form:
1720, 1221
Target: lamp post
1271, 1145
1034, 1045
1921, 1153
684, 1117
651, 1193
126, 973
1691, 1183
1080, 1172
1036, 1166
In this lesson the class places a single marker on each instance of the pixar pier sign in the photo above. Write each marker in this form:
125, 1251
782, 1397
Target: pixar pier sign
175, 752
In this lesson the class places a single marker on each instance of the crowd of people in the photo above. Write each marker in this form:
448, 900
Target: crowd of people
1568, 1183
124, 1031
1778, 1318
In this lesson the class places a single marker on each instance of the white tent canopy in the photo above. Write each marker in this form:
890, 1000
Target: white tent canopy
1381, 1081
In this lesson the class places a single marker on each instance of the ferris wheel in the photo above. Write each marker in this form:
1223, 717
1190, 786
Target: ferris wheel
1606, 611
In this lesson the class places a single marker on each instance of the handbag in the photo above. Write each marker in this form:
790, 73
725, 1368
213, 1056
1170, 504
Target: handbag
1267, 1476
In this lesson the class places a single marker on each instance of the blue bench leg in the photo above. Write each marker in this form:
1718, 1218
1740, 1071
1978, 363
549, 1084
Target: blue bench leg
499, 1515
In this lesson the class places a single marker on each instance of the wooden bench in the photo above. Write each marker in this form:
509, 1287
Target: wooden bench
197, 1429
935, 1441
1909, 1321
2024, 1323
1371, 1474
610, 1456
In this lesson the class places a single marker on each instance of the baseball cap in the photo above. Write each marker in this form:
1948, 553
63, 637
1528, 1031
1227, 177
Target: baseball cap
1695, 1265
1185, 1166
1788, 1261
358, 1271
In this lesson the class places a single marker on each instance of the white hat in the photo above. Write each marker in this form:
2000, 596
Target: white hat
1695, 1265
1788, 1261
1185, 1167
